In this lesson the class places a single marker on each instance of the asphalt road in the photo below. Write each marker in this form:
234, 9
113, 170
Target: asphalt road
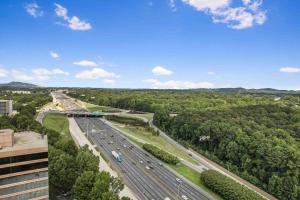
157, 183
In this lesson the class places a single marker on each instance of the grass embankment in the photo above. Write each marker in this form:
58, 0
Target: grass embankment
159, 141
93, 108
58, 123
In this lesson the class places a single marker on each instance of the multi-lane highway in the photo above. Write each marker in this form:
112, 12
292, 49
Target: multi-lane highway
141, 172
146, 174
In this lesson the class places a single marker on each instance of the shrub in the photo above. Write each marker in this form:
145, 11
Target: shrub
227, 187
160, 154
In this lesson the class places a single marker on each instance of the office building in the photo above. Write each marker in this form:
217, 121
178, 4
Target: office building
6, 107
23, 166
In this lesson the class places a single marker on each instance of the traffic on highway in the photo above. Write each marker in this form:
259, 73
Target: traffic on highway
140, 171
146, 174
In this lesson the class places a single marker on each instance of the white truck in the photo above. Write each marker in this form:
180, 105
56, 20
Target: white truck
117, 156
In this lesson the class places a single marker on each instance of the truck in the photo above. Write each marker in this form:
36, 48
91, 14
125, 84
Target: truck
117, 156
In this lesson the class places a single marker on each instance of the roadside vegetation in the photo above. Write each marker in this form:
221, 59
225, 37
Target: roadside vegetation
127, 120
152, 137
227, 188
253, 133
57, 122
81, 167
161, 154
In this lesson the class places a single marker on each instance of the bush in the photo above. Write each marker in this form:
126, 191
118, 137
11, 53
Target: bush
127, 120
227, 188
160, 154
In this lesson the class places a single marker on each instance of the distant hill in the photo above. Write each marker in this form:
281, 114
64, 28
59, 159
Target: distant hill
14, 84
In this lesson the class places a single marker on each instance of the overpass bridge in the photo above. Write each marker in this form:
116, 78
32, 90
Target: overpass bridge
78, 113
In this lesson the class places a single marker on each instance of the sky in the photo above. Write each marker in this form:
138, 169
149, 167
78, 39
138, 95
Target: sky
177, 44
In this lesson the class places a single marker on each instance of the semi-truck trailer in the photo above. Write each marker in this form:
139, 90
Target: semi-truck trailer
117, 156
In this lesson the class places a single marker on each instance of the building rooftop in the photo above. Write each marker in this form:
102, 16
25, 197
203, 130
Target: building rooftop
27, 142
4, 100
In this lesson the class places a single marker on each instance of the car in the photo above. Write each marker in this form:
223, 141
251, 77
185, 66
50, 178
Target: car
146, 154
160, 164
124, 146
133, 163
178, 180
123, 171
118, 149
151, 167
147, 167
101, 145
112, 136
141, 162
190, 154
184, 197
110, 142
148, 161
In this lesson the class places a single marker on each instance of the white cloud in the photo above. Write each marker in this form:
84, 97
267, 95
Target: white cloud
85, 63
290, 70
54, 55
76, 24
42, 74
3, 72
202, 5
60, 72
172, 4
21, 76
211, 73
61, 11
109, 81
242, 17
73, 22
34, 10
172, 84
39, 74
161, 71
95, 73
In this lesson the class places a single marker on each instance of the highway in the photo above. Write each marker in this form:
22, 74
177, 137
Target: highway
140, 171
157, 183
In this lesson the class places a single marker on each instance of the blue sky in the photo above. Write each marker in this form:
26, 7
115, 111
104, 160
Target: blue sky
151, 43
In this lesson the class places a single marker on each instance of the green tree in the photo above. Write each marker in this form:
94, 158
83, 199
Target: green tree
83, 185
86, 160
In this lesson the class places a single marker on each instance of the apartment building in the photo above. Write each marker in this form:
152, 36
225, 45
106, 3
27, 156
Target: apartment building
23, 166
6, 107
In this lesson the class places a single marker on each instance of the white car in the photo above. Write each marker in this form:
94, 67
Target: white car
184, 197
178, 180
147, 167
141, 162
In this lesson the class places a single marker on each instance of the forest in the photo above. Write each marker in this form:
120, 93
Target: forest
253, 134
